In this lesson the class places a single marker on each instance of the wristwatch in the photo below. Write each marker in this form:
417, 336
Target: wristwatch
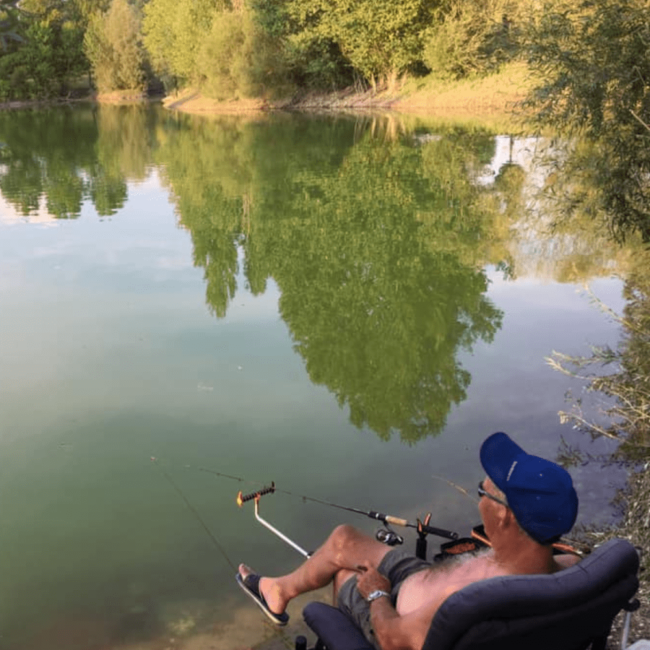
378, 593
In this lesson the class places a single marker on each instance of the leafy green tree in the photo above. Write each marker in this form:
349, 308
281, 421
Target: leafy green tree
43, 54
239, 59
311, 61
113, 44
9, 23
594, 62
377, 37
472, 38
173, 33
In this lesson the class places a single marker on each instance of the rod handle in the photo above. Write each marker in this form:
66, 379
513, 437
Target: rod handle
242, 498
388, 519
396, 521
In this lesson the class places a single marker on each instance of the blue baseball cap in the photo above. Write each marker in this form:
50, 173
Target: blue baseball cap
540, 493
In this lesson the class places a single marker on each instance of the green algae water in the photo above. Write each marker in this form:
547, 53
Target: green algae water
344, 305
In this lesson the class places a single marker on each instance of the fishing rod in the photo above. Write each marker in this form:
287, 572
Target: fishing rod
387, 536
372, 514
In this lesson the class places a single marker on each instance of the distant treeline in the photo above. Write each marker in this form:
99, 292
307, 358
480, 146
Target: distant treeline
247, 48
266, 48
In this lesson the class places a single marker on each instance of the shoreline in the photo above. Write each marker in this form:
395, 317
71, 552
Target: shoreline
496, 96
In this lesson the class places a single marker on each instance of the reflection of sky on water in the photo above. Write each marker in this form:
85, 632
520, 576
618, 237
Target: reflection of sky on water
510, 150
110, 356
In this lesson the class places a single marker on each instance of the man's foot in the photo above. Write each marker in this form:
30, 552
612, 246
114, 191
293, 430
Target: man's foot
250, 582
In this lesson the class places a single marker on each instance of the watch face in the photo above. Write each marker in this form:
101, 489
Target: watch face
377, 594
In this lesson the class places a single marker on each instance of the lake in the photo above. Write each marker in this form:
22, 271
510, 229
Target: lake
344, 305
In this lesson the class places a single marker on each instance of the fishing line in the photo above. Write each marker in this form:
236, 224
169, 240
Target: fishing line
276, 489
193, 510
386, 519
461, 489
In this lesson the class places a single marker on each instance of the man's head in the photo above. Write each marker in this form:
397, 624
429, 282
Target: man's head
539, 493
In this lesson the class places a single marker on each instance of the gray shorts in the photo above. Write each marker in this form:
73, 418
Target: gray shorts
397, 565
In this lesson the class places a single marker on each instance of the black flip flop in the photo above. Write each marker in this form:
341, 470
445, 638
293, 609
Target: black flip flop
251, 585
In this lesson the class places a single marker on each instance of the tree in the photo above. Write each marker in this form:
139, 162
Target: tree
40, 51
114, 47
377, 37
594, 61
239, 59
472, 38
9, 23
173, 33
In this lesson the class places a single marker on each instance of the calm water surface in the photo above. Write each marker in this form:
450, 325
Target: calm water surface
344, 306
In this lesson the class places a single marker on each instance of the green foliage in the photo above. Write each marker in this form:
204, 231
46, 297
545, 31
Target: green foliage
81, 11
239, 59
46, 54
173, 34
378, 37
594, 61
113, 46
9, 24
311, 61
472, 38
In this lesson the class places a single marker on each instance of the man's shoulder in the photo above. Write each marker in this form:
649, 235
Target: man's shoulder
565, 560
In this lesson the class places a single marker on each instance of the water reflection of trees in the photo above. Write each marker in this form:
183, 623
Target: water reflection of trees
622, 375
376, 233
377, 247
549, 215
57, 159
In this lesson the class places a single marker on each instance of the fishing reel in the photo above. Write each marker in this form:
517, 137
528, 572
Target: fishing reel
388, 537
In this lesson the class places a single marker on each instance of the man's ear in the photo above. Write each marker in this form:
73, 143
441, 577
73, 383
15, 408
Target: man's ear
507, 519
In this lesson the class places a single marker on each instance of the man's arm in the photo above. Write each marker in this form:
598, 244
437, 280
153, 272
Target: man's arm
392, 630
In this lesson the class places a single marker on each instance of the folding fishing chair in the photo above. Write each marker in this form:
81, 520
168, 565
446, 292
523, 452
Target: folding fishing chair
569, 610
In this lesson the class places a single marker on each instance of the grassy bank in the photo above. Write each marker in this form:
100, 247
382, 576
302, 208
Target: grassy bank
492, 96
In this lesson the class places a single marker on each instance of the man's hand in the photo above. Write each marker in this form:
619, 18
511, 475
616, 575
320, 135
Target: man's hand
370, 580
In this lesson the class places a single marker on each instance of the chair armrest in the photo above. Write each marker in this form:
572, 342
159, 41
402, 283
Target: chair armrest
334, 628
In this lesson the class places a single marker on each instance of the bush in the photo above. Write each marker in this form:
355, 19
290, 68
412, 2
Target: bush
470, 40
113, 45
239, 59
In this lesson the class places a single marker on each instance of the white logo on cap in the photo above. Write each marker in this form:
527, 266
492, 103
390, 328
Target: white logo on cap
512, 467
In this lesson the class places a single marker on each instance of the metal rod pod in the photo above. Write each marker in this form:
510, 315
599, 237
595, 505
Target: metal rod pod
440, 532
278, 533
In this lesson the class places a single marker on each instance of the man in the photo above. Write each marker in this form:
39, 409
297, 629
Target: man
526, 503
